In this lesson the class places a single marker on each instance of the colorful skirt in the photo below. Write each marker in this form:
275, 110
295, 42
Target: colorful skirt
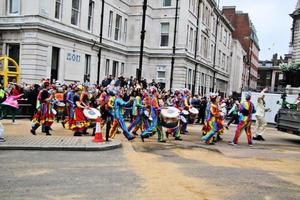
79, 122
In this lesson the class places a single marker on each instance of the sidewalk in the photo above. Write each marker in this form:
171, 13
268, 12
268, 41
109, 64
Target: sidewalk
59, 143
18, 137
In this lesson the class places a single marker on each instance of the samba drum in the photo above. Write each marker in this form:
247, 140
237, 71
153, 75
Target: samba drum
193, 115
60, 107
183, 119
185, 113
53, 111
91, 113
170, 117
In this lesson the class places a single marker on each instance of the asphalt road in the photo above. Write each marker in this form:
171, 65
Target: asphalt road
176, 170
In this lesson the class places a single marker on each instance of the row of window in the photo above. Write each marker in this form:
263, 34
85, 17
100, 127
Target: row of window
76, 12
116, 69
205, 81
116, 31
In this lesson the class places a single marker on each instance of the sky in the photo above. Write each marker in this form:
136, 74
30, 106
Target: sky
272, 22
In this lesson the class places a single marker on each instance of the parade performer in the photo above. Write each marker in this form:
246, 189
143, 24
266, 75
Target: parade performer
246, 110
79, 121
69, 106
44, 116
137, 114
156, 121
10, 105
260, 114
176, 131
185, 106
213, 114
220, 121
234, 111
118, 116
102, 100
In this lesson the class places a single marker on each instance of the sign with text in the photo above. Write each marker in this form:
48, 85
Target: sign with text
74, 57
73, 66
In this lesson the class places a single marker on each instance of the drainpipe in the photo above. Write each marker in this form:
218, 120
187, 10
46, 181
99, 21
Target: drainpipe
196, 47
174, 45
142, 41
101, 37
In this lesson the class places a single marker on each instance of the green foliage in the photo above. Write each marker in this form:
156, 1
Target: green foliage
290, 67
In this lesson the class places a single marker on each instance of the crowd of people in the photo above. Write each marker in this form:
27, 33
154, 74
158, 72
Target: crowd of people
148, 106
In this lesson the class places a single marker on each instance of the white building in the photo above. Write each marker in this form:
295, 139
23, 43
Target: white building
237, 67
60, 39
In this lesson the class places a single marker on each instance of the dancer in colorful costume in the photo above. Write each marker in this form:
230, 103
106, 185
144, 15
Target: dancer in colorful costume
246, 110
118, 116
79, 121
138, 121
212, 115
156, 121
44, 115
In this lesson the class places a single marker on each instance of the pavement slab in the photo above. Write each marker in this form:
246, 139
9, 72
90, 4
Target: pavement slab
68, 143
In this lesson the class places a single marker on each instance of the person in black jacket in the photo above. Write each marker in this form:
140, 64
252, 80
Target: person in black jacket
32, 98
203, 104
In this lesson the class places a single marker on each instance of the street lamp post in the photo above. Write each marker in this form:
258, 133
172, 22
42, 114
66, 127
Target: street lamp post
174, 45
139, 74
101, 37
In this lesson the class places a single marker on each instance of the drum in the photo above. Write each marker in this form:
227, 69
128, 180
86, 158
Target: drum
91, 113
185, 113
170, 117
183, 119
193, 115
54, 112
60, 107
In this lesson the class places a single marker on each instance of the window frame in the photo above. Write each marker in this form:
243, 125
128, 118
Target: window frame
125, 30
78, 13
7, 45
161, 68
164, 2
118, 28
9, 6
110, 23
91, 15
60, 2
164, 34
122, 70
107, 67
88, 62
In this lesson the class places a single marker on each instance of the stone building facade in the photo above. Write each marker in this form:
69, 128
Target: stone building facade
60, 39
295, 41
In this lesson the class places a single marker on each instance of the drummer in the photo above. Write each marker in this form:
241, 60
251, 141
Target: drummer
185, 106
59, 106
175, 131
156, 123
80, 123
